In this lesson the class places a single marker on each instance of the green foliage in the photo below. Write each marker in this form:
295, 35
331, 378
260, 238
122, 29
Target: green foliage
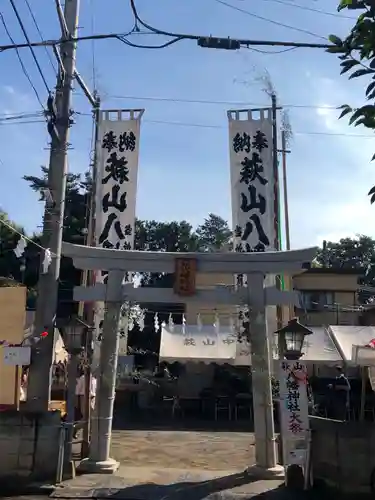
214, 234
357, 55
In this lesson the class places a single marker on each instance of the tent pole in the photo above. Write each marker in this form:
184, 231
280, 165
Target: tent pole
363, 392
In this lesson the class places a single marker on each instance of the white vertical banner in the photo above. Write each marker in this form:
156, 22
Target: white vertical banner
116, 185
294, 412
252, 182
253, 191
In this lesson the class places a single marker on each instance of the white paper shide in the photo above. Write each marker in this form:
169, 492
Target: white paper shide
294, 411
252, 183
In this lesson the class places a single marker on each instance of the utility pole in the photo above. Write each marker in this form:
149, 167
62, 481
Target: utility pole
284, 152
40, 378
88, 279
279, 312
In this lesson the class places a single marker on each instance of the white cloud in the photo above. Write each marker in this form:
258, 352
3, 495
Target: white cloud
349, 219
329, 118
9, 89
346, 209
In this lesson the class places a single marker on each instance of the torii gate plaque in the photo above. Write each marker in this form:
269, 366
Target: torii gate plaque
256, 296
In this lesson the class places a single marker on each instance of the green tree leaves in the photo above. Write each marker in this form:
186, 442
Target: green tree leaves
357, 55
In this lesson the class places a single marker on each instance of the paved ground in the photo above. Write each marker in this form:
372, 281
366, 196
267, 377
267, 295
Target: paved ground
184, 449
151, 483
164, 464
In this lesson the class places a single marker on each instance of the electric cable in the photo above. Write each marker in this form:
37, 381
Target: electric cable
21, 62
215, 102
19, 116
271, 51
204, 125
116, 36
13, 121
196, 37
336, 15
22, 122
155, 30
40, 35
29, 43
271, 21
214, 126
162, 46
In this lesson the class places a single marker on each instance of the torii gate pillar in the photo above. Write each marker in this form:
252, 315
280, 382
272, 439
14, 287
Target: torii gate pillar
256, 296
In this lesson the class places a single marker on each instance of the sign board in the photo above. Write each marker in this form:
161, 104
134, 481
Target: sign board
16, 356
294, 412
185, 274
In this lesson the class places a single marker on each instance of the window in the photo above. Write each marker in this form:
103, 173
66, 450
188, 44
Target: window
317, 300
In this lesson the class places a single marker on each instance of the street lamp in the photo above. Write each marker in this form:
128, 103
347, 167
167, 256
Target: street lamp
73, 335
291, 339
73, 338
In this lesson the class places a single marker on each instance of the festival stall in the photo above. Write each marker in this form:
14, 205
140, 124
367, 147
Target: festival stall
208, 344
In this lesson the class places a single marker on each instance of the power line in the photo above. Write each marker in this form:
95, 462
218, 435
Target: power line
118, 36
20, 61
20, 116
28, 41
201, 125
152, 30
204, 125
213, 102
271, 21
271, 51
235, 42
311, 9
22, 122
40, 35
25, 119
218, 127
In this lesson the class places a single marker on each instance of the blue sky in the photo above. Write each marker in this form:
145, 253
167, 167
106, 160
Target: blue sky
184, 169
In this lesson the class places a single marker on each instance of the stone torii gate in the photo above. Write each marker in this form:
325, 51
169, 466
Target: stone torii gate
254, 266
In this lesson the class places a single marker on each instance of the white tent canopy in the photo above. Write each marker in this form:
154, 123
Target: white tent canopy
206, 345
347, 336
320, 347
189, 343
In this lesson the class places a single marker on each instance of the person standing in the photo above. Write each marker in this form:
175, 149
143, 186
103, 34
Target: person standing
340, 395
80, 401
23, 386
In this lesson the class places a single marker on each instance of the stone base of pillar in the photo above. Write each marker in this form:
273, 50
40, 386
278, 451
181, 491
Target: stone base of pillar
257, 471
90, 466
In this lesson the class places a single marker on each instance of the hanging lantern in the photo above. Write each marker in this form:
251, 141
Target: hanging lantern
291, 339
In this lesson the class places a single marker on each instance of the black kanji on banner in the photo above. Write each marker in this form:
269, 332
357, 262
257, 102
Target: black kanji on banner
115, 234
252, 202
